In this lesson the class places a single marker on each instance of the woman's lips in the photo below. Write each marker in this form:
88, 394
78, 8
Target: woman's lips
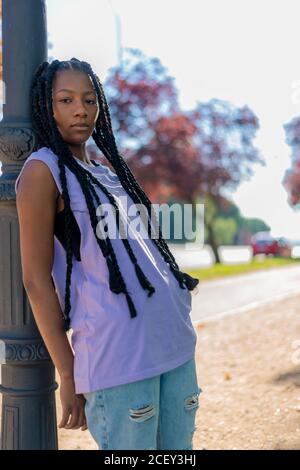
81, 128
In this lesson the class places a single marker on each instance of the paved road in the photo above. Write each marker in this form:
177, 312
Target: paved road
240, 293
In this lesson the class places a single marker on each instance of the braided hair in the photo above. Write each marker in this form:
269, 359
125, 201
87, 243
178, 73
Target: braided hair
48, 135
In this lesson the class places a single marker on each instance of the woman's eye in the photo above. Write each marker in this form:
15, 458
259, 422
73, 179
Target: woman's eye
68, 99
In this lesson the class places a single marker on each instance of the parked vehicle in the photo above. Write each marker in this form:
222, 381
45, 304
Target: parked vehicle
264, 243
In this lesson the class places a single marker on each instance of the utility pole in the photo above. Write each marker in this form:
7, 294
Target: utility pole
118, 33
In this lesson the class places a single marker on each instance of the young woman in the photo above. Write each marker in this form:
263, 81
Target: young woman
130, 375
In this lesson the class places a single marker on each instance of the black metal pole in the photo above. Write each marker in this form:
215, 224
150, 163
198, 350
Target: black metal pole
27, 372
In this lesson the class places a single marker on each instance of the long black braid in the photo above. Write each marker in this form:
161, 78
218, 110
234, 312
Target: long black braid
48, 135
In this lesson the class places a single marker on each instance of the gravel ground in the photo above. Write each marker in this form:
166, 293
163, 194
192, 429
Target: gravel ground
249, 369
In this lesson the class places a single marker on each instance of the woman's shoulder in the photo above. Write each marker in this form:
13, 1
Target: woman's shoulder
45, 155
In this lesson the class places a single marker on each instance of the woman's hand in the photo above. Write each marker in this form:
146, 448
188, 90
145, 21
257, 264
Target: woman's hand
72, 406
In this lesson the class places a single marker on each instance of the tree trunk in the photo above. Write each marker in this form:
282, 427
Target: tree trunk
212, 243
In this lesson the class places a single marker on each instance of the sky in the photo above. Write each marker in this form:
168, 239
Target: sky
246, 52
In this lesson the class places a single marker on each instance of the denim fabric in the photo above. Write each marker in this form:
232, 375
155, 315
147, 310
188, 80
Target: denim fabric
154, 413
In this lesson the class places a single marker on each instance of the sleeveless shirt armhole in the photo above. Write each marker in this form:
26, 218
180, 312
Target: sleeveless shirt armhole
54, 170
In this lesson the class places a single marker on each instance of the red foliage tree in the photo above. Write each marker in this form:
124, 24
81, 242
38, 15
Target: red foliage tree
172, 153
291, 180
139, 92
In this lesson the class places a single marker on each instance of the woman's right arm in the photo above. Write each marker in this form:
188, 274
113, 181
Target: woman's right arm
36, 207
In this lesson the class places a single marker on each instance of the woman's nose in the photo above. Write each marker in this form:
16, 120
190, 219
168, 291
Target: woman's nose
81, 112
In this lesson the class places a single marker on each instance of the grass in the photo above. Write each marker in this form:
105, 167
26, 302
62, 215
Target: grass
223, 270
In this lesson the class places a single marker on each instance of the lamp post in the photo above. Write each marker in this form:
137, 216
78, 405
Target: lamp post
27, 372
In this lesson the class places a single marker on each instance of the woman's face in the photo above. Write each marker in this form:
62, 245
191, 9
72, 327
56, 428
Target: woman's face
74, 102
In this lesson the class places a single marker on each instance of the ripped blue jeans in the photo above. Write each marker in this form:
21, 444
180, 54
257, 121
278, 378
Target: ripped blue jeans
154, 413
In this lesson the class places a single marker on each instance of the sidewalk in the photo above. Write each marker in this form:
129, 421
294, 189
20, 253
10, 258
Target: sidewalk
247, 368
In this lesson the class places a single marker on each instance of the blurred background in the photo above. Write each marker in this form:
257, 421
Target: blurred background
205, 105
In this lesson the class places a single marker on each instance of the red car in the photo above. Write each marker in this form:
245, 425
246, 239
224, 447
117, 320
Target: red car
264, 243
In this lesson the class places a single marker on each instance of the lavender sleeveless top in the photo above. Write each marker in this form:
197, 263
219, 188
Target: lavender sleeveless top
111, 348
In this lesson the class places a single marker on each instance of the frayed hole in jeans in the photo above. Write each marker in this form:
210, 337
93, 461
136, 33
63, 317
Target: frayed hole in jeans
141, 414
192, 402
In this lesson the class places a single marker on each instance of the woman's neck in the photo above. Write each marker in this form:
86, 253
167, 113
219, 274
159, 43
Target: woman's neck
79, 152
